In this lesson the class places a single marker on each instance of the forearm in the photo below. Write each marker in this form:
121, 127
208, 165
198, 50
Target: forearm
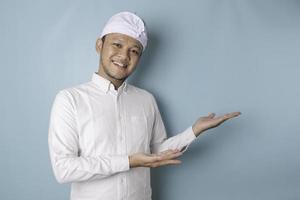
75, 169
179, 141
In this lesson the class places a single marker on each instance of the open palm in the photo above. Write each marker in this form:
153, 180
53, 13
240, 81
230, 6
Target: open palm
211, 121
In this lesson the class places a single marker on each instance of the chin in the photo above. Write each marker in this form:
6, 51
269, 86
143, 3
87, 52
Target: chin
119, 77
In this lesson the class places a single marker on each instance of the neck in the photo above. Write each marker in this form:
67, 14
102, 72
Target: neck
117, 83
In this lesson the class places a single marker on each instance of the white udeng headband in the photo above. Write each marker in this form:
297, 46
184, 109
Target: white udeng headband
129, 24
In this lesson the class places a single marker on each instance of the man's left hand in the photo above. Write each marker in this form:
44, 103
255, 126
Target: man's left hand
210, 121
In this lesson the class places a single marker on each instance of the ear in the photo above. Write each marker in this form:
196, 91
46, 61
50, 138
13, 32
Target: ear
99, 45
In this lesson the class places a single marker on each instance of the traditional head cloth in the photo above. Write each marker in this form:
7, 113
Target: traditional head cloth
129, 24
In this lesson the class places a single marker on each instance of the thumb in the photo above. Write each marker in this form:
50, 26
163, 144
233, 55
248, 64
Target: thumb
211, 115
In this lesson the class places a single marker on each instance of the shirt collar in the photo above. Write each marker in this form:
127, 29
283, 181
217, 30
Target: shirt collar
105, 85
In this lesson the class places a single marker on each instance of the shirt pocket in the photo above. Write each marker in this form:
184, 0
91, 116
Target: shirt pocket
138, 133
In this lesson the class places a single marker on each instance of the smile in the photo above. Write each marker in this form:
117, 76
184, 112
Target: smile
119, 64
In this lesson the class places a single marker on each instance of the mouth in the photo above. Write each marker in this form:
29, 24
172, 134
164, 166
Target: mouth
120, 64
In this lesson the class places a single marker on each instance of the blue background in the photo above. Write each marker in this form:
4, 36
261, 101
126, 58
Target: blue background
203, 56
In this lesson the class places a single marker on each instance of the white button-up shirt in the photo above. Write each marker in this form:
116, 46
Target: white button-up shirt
94, 128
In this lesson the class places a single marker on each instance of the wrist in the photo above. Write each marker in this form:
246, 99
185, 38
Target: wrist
197, 131
132, 161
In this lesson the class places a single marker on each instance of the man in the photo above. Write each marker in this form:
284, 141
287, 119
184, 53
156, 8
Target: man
104, 135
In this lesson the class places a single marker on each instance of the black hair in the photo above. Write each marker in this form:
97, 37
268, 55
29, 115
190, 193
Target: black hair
103, 38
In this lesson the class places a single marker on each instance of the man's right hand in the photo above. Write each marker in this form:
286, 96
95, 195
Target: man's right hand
155, 160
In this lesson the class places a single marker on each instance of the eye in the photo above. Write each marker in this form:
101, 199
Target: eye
135, 52
117, 45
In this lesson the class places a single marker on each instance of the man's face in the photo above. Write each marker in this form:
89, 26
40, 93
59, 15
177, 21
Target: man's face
119, 56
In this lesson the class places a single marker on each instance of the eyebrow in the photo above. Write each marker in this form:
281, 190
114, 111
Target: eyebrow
121, 40
138, 47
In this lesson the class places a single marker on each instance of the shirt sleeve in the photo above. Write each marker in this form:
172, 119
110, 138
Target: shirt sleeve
67, 164
159, 140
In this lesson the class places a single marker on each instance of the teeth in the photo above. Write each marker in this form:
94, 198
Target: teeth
119, 64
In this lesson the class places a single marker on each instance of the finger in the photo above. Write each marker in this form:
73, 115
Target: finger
211, 115
165, 162
169, 162
236, 113
231, 115
162, 157
154, 158
169, 151
171, 156
223, 118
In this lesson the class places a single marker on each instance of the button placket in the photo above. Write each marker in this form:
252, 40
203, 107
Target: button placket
120, 133
118, 125
123, 124
123, 187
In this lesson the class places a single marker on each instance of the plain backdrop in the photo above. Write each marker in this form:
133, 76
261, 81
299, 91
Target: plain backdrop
203, 56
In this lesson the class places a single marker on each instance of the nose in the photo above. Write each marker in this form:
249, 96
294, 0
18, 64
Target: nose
124, 54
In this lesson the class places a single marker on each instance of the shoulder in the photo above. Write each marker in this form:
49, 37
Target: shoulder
73, 93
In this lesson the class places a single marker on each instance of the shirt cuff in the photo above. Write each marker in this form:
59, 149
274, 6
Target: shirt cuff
190, 135
189, 138
120, 163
